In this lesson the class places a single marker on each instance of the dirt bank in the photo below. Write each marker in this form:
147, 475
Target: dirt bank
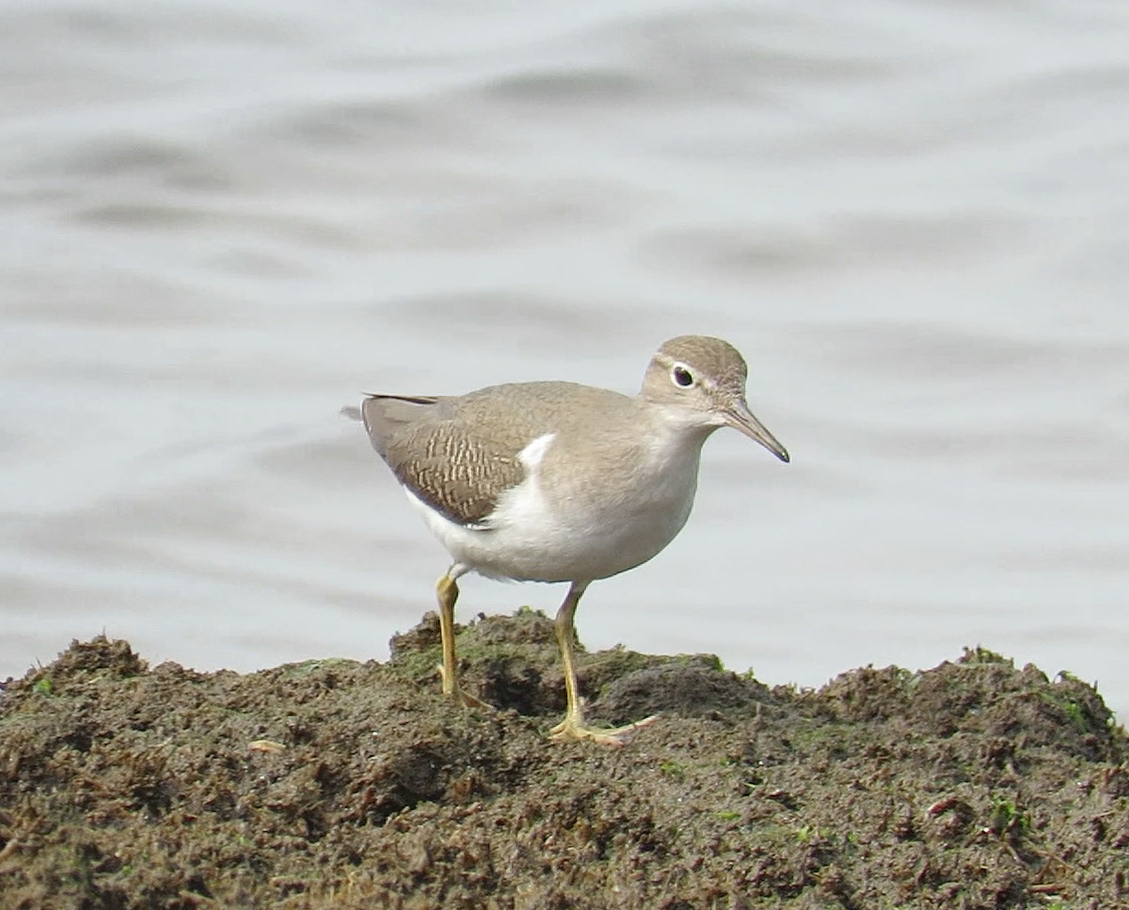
338, 784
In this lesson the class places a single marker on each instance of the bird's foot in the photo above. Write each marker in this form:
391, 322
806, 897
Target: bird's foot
471, 701
573, 727
461, 696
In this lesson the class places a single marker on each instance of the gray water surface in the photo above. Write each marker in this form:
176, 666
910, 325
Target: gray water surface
223, 222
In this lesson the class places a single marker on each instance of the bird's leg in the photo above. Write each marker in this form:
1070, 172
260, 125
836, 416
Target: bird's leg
448, 592
572, 727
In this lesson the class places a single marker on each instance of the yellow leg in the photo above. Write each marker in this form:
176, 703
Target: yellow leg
448, 592
573, 727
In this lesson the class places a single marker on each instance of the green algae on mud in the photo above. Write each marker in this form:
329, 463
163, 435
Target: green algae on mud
333, 783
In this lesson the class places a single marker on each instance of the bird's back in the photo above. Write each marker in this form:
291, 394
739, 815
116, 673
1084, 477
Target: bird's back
460, 454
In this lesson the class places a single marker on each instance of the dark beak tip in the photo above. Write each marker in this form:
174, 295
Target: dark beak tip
784, 456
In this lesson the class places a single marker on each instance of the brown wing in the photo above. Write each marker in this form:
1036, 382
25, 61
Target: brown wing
452, 466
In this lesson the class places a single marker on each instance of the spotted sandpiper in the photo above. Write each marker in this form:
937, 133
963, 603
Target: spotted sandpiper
555, 481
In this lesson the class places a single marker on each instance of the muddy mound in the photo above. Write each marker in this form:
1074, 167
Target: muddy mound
340, 784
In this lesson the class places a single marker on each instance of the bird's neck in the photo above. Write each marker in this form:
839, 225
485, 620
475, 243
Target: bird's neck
677, 437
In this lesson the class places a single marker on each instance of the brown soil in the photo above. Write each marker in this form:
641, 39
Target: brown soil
337, 784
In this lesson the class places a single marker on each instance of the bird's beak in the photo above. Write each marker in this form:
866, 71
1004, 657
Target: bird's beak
741, 418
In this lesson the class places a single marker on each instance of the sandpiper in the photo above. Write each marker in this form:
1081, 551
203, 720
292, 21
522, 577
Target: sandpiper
560, 482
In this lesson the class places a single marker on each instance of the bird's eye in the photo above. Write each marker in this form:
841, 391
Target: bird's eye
681, 376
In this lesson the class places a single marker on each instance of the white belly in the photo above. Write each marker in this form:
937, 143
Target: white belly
531, 537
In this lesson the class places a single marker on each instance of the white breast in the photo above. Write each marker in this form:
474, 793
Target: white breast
529, 538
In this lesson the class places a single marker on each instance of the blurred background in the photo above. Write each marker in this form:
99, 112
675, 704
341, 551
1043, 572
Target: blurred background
223, 221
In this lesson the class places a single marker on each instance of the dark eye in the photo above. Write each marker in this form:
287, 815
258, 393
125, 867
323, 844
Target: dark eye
682, 376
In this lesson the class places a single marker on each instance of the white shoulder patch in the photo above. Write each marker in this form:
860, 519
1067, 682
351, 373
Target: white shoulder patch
532, 454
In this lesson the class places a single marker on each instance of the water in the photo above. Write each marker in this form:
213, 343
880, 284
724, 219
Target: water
221, 224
